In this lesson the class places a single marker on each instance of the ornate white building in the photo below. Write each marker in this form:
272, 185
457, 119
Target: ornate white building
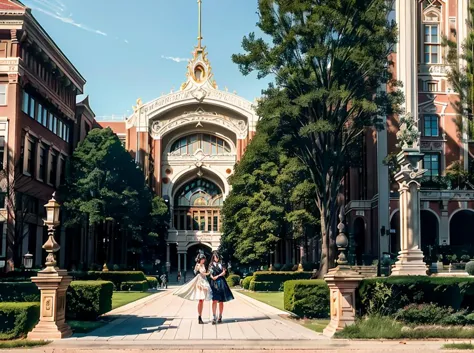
188, 143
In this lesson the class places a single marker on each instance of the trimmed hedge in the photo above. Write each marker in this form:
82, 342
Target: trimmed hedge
86, 300
233, 280
457, 293
273, 281
307, 298
19, 292
17, 319
152, 282
117, 277
135, 286
246, 282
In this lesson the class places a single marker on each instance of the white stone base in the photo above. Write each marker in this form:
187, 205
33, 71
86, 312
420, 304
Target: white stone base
410, 263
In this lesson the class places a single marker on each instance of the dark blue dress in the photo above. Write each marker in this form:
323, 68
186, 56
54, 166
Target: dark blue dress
220, 289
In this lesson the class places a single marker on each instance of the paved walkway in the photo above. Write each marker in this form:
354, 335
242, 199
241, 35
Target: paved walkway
165, 322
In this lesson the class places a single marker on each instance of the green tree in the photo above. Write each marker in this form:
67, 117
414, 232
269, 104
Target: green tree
461, 75
328, 58
267, 202
108, 189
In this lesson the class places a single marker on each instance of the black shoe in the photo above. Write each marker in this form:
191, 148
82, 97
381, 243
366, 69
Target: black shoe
220, 320
214, 321
200, 321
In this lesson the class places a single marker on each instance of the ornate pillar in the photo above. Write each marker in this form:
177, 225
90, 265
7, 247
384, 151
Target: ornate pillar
179, 262
185, 262
342, 282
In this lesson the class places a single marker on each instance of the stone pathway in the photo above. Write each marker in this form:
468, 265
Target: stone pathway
165, 317
165, 322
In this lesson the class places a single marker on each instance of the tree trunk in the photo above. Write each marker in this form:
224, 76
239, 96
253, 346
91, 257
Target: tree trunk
328, 251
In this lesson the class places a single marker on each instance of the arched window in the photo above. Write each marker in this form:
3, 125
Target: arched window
209, 144
199, 192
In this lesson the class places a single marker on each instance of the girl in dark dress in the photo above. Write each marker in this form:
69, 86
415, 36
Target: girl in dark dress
220, 289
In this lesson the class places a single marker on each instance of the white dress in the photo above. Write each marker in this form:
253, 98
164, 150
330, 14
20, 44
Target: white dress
196, 289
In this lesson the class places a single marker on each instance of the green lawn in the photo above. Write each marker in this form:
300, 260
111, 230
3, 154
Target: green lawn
21, 344
122, 298
459, 346
274, 299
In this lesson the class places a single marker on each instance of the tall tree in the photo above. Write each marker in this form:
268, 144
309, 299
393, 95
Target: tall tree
328, 59
108, 189
268, 200
461, 75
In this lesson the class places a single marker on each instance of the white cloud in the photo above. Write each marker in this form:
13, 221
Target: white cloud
175, 59
126, 41
56, 9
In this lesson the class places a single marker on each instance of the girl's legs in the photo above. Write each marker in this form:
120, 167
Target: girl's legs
221, 310
214, 308
200, 306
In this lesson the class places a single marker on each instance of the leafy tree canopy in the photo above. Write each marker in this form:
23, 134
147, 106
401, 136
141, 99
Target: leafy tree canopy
328, 58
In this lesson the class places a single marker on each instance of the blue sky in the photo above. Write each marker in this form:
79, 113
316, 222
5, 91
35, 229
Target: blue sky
129, 49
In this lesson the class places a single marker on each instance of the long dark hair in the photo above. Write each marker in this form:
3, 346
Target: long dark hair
215, 254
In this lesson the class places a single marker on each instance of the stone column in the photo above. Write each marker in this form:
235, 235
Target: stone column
168, 264
410, 259
185, 262
179, 262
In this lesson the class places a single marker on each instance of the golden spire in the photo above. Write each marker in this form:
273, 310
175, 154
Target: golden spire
199, 24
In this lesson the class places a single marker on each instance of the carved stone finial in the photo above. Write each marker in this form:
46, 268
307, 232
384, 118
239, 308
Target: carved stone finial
408, 135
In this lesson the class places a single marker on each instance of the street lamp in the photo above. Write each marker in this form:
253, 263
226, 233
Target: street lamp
28, 261
106, 248
52, 221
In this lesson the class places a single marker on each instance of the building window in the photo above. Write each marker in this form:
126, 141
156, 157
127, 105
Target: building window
31, 151
432, 86
60, 128
209, 144
2, 152
42, 163
50, 122
431, 164
431, 44
55, 125
431, 125
25, 103
62, 176
53, 169
39, 116
45, 118
32, 107
3, 94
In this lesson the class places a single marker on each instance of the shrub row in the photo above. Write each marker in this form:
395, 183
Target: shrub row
86, 300
233, 280
432, 314
17, 319
387, 295
135, 286
116, 277
246, 282
307, 298
152, 282
273, 281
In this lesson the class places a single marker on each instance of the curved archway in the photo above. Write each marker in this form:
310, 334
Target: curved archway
461, 228
395, 237
359, 240
193, 250
429, 230
185, 134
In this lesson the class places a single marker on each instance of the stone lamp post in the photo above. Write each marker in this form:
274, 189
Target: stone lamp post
52, 283
342, 282
410, 258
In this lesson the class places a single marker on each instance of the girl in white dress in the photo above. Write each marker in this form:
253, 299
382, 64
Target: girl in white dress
198, 288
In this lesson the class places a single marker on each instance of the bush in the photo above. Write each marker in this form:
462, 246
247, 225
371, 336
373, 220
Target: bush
233, 280
470, 268
307, 298
19, 292
86, 300
423, 314
116, 277
17, 319
388, 295
261, 286
152, 282
276, 279
135, 286
246, 282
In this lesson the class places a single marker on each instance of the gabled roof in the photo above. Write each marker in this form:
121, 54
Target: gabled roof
11, 5
86, 106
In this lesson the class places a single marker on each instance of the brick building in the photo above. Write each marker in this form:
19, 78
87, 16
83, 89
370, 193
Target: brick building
40, 124
447, 210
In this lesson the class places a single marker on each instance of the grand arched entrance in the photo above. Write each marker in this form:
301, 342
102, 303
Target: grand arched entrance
359, 240
461, 229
